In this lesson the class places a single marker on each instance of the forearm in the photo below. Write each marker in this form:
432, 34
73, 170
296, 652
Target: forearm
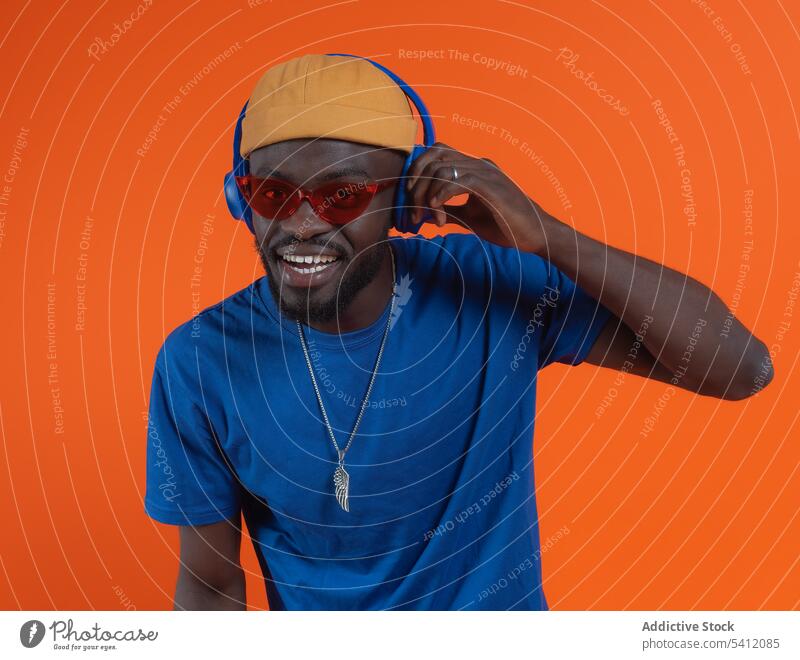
194, 593
690, 331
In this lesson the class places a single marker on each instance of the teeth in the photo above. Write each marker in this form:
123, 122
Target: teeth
317, 259
313, 269
310, 269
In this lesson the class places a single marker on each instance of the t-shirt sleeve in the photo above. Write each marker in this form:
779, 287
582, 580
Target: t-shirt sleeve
188, 479
564, 319
572, 320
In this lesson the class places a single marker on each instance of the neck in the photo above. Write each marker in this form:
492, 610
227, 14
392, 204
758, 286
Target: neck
369, 303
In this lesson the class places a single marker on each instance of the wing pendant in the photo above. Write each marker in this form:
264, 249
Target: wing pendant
341, 482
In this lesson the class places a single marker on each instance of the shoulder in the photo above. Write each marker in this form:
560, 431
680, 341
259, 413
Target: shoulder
206, 332
471, 257
425, 247
443, 251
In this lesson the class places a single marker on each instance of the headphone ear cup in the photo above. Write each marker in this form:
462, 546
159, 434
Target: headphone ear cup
237, 204
402, 219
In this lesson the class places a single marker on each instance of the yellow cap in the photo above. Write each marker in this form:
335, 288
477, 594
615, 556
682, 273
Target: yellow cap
328, 96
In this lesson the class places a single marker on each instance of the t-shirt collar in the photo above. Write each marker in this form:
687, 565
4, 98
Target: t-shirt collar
344, 340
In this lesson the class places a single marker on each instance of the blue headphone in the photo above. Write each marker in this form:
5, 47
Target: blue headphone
237, 204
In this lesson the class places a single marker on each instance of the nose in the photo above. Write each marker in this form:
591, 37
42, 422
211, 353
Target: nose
305, 223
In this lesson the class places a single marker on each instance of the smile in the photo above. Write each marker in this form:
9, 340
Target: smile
307, 264
299, 270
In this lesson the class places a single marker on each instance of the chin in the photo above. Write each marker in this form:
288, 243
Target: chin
305, 304
307, 293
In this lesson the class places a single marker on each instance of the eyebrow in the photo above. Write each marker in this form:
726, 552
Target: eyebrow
333, 174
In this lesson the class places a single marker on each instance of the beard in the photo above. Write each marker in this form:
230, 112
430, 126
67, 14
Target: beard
308, 306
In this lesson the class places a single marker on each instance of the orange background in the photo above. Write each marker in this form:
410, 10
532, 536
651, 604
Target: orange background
700, 514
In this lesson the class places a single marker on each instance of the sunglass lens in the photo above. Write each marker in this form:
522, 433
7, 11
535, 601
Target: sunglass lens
340, 202
271, 198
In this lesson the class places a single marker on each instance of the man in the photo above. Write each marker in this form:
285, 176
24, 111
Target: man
368, 405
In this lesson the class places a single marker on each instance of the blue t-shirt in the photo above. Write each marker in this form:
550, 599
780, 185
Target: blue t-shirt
442, 499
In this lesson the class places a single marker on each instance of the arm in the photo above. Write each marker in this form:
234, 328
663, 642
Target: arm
692, 339
190, 484
210, 575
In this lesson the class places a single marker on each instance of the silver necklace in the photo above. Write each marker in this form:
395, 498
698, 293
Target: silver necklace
341, 479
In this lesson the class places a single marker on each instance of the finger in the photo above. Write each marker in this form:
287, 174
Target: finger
437, 151
462, 213
418, 193
440, 170
435, 172
442, 185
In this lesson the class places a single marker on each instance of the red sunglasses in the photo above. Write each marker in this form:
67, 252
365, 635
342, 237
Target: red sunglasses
336, 202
